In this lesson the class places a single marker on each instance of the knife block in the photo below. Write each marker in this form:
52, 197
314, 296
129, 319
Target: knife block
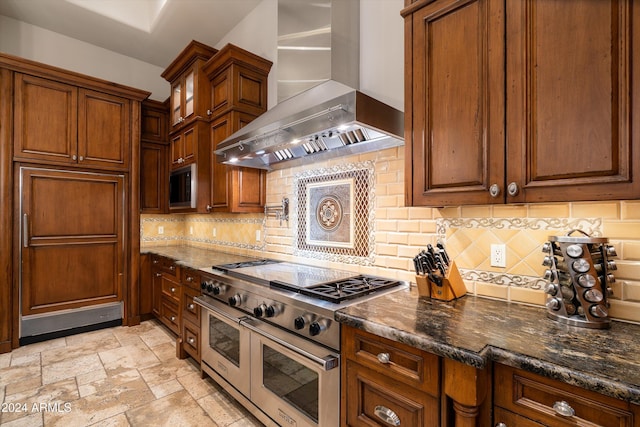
452, 287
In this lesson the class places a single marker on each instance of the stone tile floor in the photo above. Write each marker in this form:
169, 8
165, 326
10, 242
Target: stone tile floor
122, 376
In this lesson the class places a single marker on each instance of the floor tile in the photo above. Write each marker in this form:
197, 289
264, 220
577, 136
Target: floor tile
69, 368
120, 359
177, 409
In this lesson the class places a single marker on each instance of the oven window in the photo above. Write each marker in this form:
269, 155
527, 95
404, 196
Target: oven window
290, 381
225, 340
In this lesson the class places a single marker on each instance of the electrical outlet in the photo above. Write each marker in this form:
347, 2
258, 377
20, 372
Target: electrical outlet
498, 256
160, 229
257, 235
215, 232
190, 230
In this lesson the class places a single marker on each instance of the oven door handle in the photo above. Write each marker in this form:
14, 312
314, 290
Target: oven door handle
327, 362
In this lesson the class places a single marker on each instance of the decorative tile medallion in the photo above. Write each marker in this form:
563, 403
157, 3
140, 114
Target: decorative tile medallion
335, 213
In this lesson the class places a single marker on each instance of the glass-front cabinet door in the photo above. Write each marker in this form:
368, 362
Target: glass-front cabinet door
176, 100
183, 98
189, 94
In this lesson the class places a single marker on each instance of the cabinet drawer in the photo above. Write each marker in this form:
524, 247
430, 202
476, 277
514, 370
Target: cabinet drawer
169, 314
166, 265
407, 364
376, 400
191, 339
190, 278
534, 397
171, 290
190, 310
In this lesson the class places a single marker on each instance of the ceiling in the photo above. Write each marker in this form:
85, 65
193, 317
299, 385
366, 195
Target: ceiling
152, 31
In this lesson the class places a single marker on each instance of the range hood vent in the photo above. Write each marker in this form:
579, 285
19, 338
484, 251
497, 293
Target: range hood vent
306, 128
329, 119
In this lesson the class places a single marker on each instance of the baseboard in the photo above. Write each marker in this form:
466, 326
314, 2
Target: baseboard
65, 333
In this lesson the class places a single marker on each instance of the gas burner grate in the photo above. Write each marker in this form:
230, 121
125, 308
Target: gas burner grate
342, 290
252, 263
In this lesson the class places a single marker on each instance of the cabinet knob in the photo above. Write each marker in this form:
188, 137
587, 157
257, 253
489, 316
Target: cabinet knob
173, 290
158, 274
173, 318
209, 112
387, 415
191, 306
191, 340
155, 261
189, 279
74, 157
172, 267
494, 190
81, 158
209, 208
513, 189
501, 425
564, 409
384, 358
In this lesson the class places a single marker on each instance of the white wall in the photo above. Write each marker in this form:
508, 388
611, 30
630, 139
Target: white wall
28, 41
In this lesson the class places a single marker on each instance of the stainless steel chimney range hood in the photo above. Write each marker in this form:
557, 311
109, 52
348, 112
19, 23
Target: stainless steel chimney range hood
328, 120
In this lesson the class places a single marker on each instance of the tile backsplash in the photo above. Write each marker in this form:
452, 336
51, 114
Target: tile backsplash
400, 232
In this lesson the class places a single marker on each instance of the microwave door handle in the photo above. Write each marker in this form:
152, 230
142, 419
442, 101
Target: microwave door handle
327, 363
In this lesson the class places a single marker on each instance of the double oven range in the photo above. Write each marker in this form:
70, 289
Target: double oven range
269, 337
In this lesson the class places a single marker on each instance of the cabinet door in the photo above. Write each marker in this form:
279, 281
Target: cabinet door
45, 120
72, 239
183, 147
103, 130
154, 182
571, 100
234, 189
455, 103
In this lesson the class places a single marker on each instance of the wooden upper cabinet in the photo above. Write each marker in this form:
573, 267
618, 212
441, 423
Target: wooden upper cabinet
45, 120
189, 85
63, 124
572, 99
238, 84
155, 121
454, 102
521, 102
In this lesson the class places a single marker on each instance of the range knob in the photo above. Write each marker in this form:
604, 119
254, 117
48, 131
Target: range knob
235, 301
316, 328
299, 322
264, 310
215, 289
203, 285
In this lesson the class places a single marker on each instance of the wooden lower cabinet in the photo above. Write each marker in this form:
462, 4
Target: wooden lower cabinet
525, 399
189, 341
385, 383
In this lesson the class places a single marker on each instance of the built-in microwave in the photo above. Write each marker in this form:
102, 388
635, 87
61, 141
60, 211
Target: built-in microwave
182, 187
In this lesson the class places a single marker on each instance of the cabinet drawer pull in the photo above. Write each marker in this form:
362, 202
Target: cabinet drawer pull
173, 290
191, 306
172, 267
494, 190
155, 261
189, 279
564, 409
387, 415
158, 274
384, 358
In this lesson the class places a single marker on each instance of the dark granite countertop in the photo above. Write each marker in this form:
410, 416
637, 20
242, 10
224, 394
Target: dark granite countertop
193, 257
477, 331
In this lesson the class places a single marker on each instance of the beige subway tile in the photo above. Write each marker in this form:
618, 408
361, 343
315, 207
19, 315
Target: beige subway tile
509, 211
409, 226
623, 310
629, 250
386, 249
449, 212
609, 210
397, 165
387, 177
408, 251
491, 290
421, 239
621, 229
386, 225
630, 290
629, 270
527, 295
390, 201
555, 210
394, 188
398, 213
475, 211
630, 209
398, 238
428, 226
420, 213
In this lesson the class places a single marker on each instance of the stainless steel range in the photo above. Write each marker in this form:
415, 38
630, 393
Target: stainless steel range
270, 339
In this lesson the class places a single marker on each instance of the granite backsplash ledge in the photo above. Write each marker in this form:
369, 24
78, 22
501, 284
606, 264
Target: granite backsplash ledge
478, 331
